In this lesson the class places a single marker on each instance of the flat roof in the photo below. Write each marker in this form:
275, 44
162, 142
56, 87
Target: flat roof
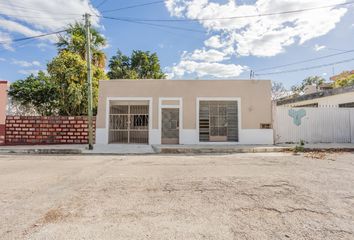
320, 94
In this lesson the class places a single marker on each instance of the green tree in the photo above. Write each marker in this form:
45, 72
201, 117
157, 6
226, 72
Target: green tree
68, 72
344, 79
36, 92
75, 41
140, 65
313, 80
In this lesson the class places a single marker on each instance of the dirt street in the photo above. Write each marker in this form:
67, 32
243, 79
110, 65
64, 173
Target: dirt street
241, 196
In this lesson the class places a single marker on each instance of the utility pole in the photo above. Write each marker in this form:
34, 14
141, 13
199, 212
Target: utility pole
89, 80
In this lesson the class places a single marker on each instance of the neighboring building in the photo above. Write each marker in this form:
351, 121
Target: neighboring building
336, 97
184, 112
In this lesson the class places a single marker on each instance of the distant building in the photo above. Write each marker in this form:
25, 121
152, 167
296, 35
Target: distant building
324, 96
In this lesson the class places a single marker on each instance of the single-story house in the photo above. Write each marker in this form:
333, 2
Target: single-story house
184, 112
337, 97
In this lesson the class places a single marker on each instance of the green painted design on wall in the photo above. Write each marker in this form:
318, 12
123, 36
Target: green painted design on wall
297, 115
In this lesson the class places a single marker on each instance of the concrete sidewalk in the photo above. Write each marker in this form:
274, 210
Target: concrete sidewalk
139, 149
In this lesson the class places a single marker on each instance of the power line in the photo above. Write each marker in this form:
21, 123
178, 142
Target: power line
303, 61
133, 6
242, 16
35, 10
156, 25
306, 68
33, 37
101, 3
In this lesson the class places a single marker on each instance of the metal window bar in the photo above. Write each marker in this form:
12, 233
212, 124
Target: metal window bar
129, 124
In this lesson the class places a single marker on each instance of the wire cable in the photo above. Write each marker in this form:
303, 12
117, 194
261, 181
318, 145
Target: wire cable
304, 61
133, 6
156, 25
306, 68
101, 3
32, 37
11, 7
239, 17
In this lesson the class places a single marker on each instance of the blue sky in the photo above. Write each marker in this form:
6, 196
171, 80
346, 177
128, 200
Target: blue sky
218, 48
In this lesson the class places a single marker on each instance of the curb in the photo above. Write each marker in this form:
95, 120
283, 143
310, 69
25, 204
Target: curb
41, 151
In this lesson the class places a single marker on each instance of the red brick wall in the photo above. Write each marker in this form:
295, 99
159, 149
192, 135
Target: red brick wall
22, 130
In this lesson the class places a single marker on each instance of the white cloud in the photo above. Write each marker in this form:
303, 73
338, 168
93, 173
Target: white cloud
259, 36
6, 41
319, 47
210, 55
26, 63
202, 69
214, 42
2, 59
28, 71
34, 17
250, 36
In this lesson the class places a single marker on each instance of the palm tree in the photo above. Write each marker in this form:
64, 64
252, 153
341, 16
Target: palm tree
75, 41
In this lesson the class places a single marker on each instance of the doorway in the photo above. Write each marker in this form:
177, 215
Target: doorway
170, 126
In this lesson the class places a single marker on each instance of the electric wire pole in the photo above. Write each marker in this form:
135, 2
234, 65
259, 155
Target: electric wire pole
89, 80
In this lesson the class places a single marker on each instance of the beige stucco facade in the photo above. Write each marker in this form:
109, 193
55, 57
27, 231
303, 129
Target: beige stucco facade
3, 101
254, 97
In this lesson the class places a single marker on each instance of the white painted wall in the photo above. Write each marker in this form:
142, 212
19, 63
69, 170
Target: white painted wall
320, 125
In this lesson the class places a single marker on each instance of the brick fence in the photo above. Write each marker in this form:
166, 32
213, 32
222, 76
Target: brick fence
22, 130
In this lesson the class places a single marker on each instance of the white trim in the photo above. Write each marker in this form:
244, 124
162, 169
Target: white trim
179, 106
108, 99
238, 99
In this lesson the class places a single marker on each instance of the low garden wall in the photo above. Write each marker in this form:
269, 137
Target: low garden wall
27, 130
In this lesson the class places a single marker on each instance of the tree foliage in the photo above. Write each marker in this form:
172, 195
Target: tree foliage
278, 90
68, 72
313, 80
344, 79
140, 65
64, 90
75, 41
36, 92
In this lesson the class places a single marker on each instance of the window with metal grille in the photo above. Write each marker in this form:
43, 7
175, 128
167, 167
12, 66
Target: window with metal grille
218, 121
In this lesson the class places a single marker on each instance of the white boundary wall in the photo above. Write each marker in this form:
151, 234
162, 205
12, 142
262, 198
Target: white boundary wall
319, 125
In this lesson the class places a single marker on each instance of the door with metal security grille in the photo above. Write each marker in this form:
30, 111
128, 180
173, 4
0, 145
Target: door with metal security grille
129, 124
170, 126
218, 121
